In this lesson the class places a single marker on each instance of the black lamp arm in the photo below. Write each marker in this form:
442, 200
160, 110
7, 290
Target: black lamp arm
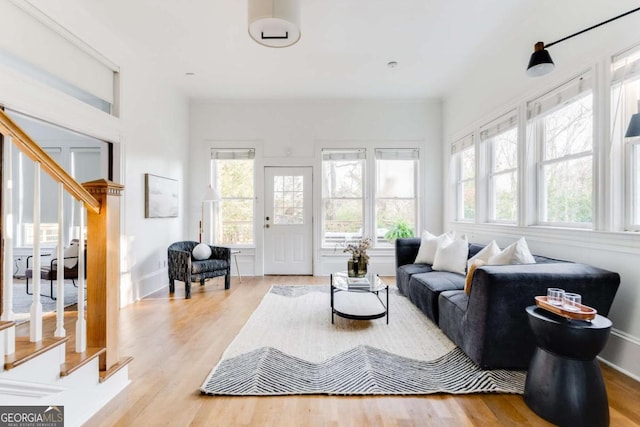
592, 27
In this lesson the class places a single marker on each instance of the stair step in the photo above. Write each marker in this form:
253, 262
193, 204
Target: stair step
104, 375
5, 325
26, 350
75, 361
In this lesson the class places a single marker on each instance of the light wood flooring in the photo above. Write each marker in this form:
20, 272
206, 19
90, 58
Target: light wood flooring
175, 343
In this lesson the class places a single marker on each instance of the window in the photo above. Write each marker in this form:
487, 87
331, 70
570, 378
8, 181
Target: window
84, 157
464, 158
233, 179
561, 126
342, 195
396, 181
625, 99
501, 143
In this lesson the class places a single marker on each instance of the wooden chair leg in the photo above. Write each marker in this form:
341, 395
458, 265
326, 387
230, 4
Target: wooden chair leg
187, 290
172, 286
227, 280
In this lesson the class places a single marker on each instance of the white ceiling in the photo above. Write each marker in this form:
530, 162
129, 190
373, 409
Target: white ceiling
343, 51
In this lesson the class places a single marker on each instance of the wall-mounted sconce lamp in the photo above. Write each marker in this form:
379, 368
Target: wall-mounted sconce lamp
634, 125
541, 62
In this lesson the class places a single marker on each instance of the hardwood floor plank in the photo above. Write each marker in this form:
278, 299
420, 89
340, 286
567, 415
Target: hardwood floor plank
175, 343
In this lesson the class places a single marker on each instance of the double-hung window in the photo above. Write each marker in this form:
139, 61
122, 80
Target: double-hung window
560, 125
232, 173
625, 101
500, 140
343, 174
396, 182
464, 159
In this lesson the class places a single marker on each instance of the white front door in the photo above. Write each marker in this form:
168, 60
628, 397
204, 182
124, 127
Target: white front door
288, 227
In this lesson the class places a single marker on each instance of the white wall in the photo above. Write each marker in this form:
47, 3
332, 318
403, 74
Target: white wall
498, 82
290, 133
150, 135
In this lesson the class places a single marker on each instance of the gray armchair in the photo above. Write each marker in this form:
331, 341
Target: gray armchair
182, 265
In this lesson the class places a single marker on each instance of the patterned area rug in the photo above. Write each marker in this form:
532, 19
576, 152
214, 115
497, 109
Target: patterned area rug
22, 301
289, 346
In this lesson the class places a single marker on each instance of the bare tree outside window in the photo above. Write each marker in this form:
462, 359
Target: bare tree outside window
342, 198
467, 184
235, 180
503, 176
566, 167
396, 202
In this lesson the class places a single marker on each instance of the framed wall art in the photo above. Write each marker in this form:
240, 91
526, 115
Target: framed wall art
160, 197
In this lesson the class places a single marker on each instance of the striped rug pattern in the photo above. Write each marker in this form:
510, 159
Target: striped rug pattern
251, 366
362, 370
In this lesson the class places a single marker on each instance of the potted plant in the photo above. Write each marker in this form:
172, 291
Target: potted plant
400, 229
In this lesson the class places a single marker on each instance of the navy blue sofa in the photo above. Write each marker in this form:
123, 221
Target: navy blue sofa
490, 324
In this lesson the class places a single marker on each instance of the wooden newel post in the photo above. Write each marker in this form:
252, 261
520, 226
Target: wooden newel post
103, 270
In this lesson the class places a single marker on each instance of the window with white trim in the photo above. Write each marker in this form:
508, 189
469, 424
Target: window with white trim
342, 195
396, 195
500, 139
560, 124
232, 172
464, 162
625, 101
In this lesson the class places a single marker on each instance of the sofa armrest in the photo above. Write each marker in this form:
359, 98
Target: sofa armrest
496, 327
406, 250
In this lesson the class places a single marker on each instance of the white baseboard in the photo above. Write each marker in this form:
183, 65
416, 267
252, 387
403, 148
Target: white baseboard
622, 353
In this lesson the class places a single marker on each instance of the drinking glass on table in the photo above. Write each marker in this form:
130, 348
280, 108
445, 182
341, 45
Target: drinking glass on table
555, 296
571, 301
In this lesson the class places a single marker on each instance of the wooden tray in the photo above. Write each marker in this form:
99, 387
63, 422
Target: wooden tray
585, 313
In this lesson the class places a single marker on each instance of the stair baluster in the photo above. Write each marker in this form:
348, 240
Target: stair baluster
81, 324
60, 331
35, 322
8, 314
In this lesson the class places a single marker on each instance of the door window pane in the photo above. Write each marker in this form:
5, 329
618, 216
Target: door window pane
288, 196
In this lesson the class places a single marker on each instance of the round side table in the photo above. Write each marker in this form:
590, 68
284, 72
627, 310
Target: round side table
564, 383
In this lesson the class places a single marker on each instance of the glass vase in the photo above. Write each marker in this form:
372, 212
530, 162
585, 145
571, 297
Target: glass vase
361, 267
352, 267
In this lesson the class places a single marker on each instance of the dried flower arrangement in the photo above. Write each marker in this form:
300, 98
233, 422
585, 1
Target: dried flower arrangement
358, 248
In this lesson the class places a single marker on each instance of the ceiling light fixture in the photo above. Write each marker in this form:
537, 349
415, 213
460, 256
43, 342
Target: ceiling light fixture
274, 23
392, 64
541, 63
634, 125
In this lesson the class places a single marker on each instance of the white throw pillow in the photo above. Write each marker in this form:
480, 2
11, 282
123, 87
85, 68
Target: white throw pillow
201, 252
516, 253
71, 255
428, 246
452, 256
492, 249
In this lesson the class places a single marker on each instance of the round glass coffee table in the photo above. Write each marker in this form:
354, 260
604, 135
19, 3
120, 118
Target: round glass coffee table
358, 298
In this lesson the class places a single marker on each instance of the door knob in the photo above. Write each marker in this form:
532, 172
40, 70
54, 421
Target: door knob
267, 218
266, 226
